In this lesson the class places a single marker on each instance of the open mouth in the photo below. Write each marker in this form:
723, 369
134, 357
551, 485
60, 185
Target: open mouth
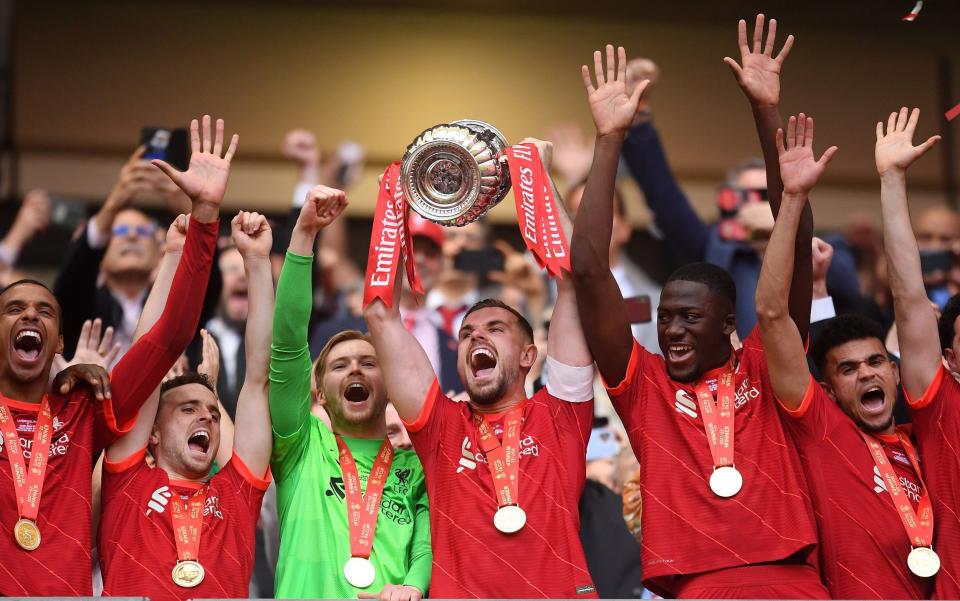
356, 392
199, 441
239, 294
872, 400
28, 344
482, 362
678, 353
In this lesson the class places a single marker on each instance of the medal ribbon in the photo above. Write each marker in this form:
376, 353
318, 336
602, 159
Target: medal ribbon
187, 518
718, 419
28, 482
363, 507
537, 210
919, 523
389, 241
503, 457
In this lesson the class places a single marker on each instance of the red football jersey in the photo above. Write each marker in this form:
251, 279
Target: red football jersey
471, 558
936, 425
137, 547
82, 428
863, 545
686, 528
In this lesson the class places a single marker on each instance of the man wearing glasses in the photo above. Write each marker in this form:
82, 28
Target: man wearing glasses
108, 269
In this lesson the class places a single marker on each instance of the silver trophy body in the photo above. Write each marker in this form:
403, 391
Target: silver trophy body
455, 172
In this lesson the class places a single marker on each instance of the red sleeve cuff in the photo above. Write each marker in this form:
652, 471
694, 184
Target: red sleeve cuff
425, 411
244, 471
632, 367
931, 391
110, 418
116, 467
804, 406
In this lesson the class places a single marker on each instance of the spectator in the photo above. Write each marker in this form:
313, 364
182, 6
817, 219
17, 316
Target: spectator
32, 218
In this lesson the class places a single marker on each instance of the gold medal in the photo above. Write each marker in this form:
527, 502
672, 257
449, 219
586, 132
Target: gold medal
27, 534
188, 574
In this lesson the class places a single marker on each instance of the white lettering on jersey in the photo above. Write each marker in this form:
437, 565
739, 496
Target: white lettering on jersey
685, 404
911, 488
469, 459
159, 499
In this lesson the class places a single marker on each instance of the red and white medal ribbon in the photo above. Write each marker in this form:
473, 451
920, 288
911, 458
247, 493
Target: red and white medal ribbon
28, 483
922, 560
187, 519
718, 421
503, 458
362, 510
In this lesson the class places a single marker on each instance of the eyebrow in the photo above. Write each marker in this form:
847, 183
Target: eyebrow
854, 363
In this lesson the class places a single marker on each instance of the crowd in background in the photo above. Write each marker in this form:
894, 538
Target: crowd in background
110, 265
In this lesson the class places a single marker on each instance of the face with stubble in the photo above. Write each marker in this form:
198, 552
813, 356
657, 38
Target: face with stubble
494, 354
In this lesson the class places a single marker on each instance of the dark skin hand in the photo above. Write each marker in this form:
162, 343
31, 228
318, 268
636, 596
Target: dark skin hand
758, 75
92, 375
602, 311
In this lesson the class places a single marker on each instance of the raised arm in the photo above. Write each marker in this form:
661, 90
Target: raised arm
782, 339
759, 77
916, 322
136, 439
143, 367
407, 371
290, 365
600, 304
254, 438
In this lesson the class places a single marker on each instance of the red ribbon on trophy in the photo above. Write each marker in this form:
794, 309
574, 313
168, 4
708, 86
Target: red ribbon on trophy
389, 241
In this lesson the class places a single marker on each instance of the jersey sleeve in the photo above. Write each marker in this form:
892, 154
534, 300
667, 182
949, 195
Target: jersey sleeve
573, 419
940, 402
627, 395
143, 367
816, 416
290, 365
421, 552
117, 475
427, 430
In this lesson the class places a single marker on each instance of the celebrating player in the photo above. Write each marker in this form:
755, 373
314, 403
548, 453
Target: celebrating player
504, 472
172, 532
48, 509
932, 394
353, 510
725, 510
862, 470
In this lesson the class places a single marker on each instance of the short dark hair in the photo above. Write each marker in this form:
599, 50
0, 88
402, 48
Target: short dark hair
30, 281
495, 303
841, 330
189, 377
947, 318
715, 278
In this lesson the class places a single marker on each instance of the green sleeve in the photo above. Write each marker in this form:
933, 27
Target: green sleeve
290, 360
421, 553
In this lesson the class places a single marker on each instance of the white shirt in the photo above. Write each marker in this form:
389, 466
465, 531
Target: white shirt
229, 342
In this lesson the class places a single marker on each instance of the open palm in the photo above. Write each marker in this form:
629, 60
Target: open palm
759, 73
612, 108
895, 150
799, 170
205, 180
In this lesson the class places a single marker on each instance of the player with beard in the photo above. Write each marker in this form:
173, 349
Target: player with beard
504, 472
327, 477
47, 552
932, 394
724, 515
862, 470
151, 544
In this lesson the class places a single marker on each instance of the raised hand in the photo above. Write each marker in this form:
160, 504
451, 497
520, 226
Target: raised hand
210, 360
798, 169
544, 148
895, 150
759, 71
322, 206
394, 592
300, 145
92, 348
176, 235
252, 235
572, 155
613, 108
205, 180
822, 256
32, 218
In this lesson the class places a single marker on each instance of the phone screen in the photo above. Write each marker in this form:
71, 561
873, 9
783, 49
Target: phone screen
170, 145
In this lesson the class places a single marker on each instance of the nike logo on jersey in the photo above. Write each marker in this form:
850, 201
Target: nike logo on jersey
466, 457
159, 499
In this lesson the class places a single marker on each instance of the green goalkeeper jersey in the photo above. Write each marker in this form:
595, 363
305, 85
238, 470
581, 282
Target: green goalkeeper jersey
314, 536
